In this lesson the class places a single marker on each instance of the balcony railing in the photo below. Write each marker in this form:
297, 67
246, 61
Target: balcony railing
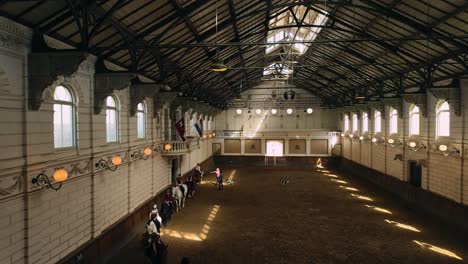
179, 147
293, 133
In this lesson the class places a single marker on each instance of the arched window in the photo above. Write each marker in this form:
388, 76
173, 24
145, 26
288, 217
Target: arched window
64, 118
365, 122
443, 120
112, 120
377, 122
414, 120
346, 123
393, 121
355, 123
141, 118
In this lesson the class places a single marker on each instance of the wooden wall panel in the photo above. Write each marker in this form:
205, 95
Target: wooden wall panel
318, 146
232, 146
253, 146
297, 146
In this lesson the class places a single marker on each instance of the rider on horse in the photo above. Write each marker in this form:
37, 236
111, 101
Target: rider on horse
153, 228
198, 173
191, 184
168, 199
153, 212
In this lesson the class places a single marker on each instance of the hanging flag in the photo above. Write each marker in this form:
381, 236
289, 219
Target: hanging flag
199, 127
180, 127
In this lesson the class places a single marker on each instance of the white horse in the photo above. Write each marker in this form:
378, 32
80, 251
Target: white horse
179, 196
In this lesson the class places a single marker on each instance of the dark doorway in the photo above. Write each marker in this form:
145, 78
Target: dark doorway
415, 173
174, 171
216, 148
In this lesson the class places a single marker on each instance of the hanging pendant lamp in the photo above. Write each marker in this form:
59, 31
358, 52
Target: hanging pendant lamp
218, 65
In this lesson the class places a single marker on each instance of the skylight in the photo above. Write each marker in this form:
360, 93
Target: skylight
296, 24
277, 70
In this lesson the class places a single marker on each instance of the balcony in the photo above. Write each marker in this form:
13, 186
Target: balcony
176, 148
275, 133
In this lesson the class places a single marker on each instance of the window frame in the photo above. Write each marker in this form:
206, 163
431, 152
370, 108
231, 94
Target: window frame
117, 123
355, 122
393, 121
346, 123
73, 117
141, 112
377, 116
411, 120
439, 111
365, 122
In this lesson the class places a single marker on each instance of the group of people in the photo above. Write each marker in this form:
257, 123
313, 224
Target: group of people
154, 244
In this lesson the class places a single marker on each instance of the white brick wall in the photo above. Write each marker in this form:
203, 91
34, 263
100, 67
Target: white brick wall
91, 200
446, 176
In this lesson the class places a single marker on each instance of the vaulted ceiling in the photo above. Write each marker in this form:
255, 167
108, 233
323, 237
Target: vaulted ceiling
336, 49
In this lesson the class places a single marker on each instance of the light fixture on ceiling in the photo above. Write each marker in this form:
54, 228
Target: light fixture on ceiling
274, 111
309, 111
218, 65
289, 111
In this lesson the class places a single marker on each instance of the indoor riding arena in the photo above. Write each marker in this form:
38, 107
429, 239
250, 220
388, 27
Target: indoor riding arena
232, 131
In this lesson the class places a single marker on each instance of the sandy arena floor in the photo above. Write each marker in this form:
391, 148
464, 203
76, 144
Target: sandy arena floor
315, 218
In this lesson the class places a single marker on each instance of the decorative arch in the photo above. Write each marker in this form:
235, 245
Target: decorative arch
68, 82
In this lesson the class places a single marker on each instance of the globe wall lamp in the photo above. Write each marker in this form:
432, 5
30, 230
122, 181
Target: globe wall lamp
139, 155
377, 140
112, 165
42, 180
415, 146
364, 137
167, 147
448, 150
394, 142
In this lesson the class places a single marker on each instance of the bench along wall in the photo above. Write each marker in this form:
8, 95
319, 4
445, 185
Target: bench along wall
42, 225
442, 175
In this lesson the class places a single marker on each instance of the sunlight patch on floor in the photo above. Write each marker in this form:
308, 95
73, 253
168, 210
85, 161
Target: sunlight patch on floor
403, 226
365, 198
232, 174
339, 181
379, 209
349, 188
194, 236
438, 250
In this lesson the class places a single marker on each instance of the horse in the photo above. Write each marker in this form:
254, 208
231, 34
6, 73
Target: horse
198, 176
166, 212
154, 251
191, 187
179, 196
